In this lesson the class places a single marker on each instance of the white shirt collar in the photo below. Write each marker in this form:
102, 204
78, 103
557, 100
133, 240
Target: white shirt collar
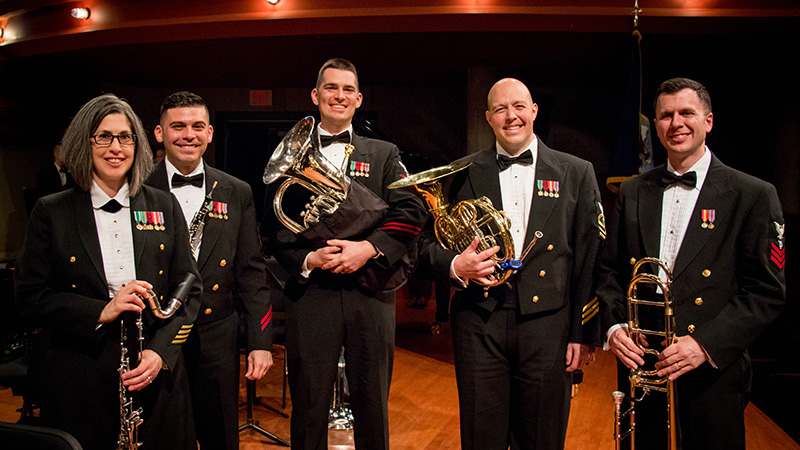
700, 168
324, 132
533, 147
100, 198
171, 170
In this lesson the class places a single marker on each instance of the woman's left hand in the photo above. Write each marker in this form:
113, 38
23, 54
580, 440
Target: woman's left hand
144, 374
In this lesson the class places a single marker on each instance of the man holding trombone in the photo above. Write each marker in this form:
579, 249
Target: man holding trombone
720, 232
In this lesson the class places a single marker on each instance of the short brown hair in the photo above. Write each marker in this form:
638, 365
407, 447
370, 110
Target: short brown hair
675, 85
182, 99
336, 63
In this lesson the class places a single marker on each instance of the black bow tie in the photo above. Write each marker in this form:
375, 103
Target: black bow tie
668, 178
504, 162
111, 206
343, 137
179, 180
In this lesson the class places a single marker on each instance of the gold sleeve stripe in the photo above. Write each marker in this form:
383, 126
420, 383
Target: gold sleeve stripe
187, 327
179, 341
590, 310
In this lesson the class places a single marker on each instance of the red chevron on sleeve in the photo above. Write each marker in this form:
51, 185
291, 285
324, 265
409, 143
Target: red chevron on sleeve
401, 227
778, 256
266, 319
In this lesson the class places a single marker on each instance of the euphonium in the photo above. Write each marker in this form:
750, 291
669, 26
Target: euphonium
640, 378
297, 157
456, 229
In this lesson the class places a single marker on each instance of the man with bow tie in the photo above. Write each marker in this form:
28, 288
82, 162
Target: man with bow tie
717, 230
338, 292
231, 266
516, 344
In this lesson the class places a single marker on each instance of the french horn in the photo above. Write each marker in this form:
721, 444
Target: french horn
297, 157
455, 229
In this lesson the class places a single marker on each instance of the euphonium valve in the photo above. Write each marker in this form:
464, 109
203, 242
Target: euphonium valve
456, 229
298, 159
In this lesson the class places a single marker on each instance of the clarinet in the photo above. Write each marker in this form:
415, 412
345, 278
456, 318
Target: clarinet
199, 221
129, 411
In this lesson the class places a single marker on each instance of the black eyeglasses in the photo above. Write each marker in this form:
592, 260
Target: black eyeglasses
105, 139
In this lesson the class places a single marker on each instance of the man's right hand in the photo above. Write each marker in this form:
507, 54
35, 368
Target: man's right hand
626, 350
474, 265
322, 256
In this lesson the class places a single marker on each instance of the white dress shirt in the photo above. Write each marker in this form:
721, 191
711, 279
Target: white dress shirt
676, 210
115, 234
190, 197
335, 152
516, 190
677, 204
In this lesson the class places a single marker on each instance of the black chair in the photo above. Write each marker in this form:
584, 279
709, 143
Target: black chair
16, 436
17, 343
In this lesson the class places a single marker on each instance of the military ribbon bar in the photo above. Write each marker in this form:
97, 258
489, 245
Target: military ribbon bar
708, 216
149, 220
218, 210
547, 188
359, 169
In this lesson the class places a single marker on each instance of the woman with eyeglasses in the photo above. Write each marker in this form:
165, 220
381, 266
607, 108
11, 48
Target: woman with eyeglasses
90, 256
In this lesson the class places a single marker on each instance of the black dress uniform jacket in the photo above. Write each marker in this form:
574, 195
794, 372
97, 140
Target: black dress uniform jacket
62, 286
327, 310
728, 285
557, 273
546, 296
233, 270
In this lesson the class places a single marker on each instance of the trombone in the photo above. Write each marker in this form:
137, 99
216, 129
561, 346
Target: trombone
642, 379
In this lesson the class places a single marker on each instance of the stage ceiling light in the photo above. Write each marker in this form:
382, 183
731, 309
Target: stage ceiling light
80, 13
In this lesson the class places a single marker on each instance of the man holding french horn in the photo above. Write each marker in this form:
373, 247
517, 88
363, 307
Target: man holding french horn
718, 234
516, 320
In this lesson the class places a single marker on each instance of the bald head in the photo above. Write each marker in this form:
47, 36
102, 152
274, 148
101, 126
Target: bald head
505, 85
511, 113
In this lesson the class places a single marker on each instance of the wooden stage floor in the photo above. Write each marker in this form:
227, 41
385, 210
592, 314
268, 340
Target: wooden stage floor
424, 407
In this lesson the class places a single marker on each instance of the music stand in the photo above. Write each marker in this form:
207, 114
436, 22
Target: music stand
252, 399
252, 424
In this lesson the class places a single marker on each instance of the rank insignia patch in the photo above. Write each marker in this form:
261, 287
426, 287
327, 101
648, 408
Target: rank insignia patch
601, 221
266, 319
183, 334
777, 250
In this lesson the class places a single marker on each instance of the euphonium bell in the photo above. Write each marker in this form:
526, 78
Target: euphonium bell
455, 229
297, 157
